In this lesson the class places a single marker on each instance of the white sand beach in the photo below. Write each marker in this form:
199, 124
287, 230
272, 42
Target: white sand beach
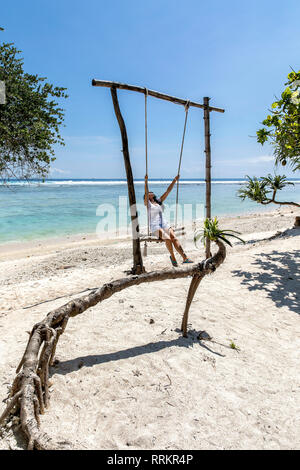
127, 379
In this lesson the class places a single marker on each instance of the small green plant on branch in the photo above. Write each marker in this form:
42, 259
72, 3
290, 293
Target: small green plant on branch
212, 232
282, 125
30, 119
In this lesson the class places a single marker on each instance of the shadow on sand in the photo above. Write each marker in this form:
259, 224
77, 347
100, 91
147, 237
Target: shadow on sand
65, 367
278, 274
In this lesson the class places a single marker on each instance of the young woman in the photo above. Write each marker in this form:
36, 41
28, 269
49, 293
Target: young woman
159, 226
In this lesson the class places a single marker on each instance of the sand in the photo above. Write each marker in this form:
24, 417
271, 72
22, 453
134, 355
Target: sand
126, 379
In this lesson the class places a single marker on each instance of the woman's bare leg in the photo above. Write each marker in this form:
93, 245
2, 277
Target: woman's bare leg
166, 237
176, 244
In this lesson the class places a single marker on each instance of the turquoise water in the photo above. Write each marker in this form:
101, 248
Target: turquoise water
64, 207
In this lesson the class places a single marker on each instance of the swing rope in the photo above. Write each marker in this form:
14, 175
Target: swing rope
146, 154
186, 107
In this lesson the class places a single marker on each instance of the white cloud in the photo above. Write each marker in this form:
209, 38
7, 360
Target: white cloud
252, 160
59, 171
88, 139
260, 159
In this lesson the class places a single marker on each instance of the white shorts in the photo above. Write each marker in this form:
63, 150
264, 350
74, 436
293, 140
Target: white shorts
155, 229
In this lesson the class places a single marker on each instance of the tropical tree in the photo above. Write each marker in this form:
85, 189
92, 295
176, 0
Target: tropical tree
264, 190
29, 120
282, 125
282, 130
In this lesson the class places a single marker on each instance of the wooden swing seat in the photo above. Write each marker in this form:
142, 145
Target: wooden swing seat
152, 238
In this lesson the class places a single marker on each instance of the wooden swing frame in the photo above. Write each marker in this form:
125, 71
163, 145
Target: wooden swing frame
29, 394
138, 267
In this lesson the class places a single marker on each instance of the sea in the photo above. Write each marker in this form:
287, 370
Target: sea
35, 210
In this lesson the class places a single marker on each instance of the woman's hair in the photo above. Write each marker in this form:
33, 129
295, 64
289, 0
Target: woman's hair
156, 199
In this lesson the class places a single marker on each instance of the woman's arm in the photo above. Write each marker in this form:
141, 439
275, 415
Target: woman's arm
165, 195
146, 190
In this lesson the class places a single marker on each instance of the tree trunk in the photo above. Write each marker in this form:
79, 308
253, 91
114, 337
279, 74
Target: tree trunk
192, 290
197, 278
138, 267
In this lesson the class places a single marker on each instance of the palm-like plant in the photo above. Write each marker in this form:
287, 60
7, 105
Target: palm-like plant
212, 232
276, 182
258, 189
254, 189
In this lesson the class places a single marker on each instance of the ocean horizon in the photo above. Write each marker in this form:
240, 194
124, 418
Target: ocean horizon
100, 181
33, 209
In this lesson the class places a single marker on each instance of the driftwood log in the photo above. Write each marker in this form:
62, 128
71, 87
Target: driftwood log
29, 393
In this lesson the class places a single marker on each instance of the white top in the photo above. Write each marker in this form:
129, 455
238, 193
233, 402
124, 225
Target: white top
156, 217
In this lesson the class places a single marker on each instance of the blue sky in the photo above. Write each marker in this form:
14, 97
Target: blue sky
236, 52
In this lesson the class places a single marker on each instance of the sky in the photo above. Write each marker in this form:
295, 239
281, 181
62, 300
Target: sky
236, 52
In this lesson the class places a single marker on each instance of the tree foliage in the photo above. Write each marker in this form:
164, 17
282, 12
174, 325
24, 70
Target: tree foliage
264, 190
29, 120
282, 126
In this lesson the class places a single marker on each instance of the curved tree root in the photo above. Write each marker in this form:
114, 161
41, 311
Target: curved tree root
29, 394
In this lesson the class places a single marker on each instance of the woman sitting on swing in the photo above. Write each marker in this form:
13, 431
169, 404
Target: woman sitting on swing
159, 226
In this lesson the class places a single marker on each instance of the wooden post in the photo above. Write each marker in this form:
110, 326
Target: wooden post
138, 267
207, 168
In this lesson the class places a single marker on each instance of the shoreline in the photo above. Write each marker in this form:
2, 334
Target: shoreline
39, 246
33, 217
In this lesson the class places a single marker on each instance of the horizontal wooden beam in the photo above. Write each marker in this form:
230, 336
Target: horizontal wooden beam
156, 94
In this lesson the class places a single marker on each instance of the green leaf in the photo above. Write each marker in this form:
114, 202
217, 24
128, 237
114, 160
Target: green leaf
225, 240
30, 120
212, 232
283, 125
